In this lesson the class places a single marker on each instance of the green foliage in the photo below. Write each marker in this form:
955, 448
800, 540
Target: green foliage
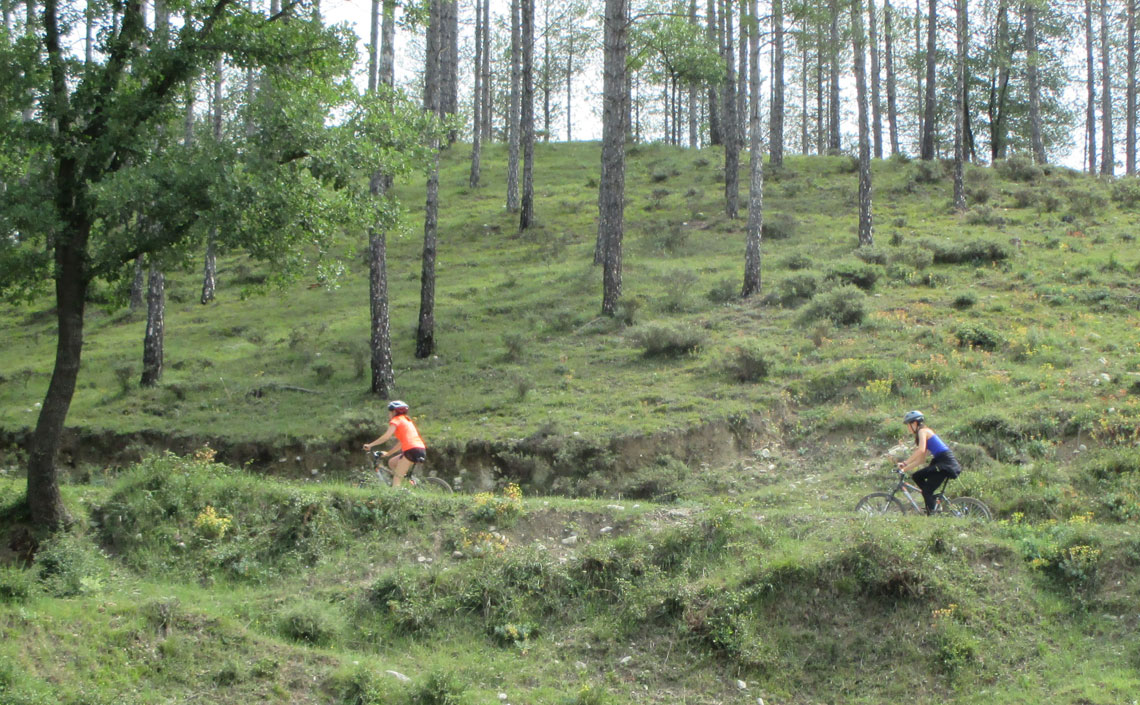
843, 306
750, 362
964, 301
1126, 191
311, 622
1019, 167
16, 584
69, 565
978, 336
863, 276
798, 288
438, 688
968, 252
779, 226
666, 339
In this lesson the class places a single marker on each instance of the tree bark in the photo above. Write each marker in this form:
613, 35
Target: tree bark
892, 90
615, 117
1130, 129
1090, 112
820, 121
210, 266
713, 34
930, 104
425, 331
694, 135
1037, 144
155, 326
876, 102
449, 62
731, 123
526, 216
866, 221
776, 119
960, 107
513, 126
476, 100
752, 278
381, 71
805, 135
919, 75
741, 77
1001, 52
833, 142
488, 58
1108, 153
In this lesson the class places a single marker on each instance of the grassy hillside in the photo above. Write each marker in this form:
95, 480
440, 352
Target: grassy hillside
718, 566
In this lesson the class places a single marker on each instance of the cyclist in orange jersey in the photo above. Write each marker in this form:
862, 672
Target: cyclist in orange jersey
410, 448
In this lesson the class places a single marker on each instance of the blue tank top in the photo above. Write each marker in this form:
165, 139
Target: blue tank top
935, 445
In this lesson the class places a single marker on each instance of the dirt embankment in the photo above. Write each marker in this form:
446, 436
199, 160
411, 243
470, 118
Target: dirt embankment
545, 460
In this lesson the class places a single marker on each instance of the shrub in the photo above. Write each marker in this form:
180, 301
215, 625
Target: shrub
916, 256
1025, 197
660, 482
1126, 191
796, 261
667, 340
779, 226
749, 363
926, 172
863, 276
964, 301
972, 252
439, 688
844, 306
16, 584
69, 566
871, 254
724, 291
324, 372
980, 194
1086, 203
798, 288
1019, 168
984, 215
515, 344
311, 622
504, 509
977, 336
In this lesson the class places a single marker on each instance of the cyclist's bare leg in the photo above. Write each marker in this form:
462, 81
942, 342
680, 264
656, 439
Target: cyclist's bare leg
400, 466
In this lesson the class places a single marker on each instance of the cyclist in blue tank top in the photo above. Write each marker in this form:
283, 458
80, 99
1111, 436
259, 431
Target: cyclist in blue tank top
943, 465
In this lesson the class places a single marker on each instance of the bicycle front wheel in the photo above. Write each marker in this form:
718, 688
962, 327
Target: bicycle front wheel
878, 503
969, 508
433, 484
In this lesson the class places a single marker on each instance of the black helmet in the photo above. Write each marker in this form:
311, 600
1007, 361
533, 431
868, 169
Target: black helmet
398, 406
914, 416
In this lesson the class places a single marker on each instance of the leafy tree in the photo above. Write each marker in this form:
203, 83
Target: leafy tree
85, 173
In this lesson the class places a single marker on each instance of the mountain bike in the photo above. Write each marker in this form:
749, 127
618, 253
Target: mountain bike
378, 472
878, 503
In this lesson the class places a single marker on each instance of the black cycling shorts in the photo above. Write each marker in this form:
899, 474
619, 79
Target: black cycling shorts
416, 455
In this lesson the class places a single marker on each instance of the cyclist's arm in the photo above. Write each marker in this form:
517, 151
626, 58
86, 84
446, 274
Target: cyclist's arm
919, 453
381, 439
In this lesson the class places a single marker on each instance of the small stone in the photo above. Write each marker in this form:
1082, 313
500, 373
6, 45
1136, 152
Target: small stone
625, 660
457, 555
741, 685
314, 471
399, 676
1082, 447
580, 665
605, 529
615, 507
759, 701
571, 540
420, 559
502, 696
771, 466
765, 454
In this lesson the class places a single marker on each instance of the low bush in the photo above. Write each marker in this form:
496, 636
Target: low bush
16, 584
926, 172
438, 688
797, 288
1086, 202
779, 226
917, 257
70, 565
1026, 197
796, 261
871, 254
1019, 168
964, 301
861, 275
1126, 191
311, 622
844, 306
724, 291
749, 363
970, 252
667, 340
978, 336
984, 215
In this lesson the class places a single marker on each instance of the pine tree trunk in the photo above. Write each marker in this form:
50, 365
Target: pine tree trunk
713, 34
833, 142
776, 119
1108, 154
425, 331
155, 327
29, 113
513, 126
615, 112
488, 58
960, 108
569, 86
210, 266
930, 105
741, 77
805, 135
866, 222
999, 84
919, 75
526, 216
752, 279
381, 71
449, 62
876, 101
1037, 144
731, 122
694, 136
892, 89
1130, 129
820, 119
476, 98
1090, 114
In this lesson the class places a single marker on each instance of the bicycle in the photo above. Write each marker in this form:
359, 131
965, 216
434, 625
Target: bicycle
878, 503
378, 472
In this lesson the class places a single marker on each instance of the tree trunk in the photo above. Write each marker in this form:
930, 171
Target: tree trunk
210, 267
752, 278
999, 83
45, 503
1037, 144
930, 104
805, 136
155, 326
615, 111
449, 62
1108, 154
1090, 114
694, 137
741, 77
513, 126
892, 90
29, 113
713, 34
526, 216
866, 222
776, 120
876, 102
569, 85
381, 71
1130, 136
820, 123
833, 143
476, 98
425, 332
488, 58
919, 73
731, 122
960, 108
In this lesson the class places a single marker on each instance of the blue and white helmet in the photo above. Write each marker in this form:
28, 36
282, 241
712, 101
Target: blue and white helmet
398, 406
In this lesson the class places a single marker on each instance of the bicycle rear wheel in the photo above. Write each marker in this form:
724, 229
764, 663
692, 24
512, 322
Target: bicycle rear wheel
433, 484
969, 508
878, 503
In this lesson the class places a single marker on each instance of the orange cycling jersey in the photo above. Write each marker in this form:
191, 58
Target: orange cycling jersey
406, 433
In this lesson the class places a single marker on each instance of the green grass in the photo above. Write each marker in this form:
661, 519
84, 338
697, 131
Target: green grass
706, 453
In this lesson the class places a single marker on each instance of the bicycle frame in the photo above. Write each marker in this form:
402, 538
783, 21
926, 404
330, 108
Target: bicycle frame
906, 486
